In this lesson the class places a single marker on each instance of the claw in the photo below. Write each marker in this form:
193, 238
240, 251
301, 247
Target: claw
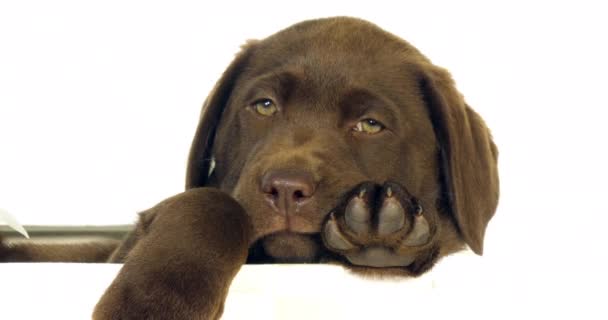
362, 193
333, 237
389, 192
420, 233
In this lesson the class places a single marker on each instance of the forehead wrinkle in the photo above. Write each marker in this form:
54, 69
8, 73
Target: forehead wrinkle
280, 84
356, 102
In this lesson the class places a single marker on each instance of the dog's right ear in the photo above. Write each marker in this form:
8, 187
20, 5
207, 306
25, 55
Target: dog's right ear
200, 159
469, 157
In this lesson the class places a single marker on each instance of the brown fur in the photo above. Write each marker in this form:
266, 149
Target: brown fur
324, 75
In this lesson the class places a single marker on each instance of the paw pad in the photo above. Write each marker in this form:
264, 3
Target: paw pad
376, 225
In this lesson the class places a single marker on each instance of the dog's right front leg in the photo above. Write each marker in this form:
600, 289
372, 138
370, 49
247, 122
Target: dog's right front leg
189, 250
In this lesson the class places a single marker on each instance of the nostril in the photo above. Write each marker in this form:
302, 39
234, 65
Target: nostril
274, 192
298, 195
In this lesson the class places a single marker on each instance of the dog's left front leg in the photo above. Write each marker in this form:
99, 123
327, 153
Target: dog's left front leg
190, 248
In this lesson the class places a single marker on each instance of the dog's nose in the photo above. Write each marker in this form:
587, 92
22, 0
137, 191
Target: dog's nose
286, 190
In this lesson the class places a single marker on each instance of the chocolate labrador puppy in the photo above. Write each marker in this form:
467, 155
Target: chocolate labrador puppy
329, 141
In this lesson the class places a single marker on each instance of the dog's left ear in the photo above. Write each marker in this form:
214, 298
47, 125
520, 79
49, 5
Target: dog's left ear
200, 159
468, 155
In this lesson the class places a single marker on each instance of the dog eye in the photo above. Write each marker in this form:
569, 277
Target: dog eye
265, 107
369, 126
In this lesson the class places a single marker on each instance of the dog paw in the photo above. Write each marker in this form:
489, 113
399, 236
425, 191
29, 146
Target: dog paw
378, 226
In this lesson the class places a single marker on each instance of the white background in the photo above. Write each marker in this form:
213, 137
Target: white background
99, 101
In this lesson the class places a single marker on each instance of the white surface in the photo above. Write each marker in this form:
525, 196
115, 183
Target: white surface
99, 101
462, 286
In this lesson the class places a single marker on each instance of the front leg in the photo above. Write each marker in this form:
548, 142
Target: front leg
188, 251
382, 227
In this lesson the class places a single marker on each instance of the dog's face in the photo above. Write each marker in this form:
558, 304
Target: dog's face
304, 116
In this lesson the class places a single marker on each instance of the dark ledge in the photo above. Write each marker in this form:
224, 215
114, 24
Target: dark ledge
37, 232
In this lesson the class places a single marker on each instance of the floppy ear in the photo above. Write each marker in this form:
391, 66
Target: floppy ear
200, 159
468, 156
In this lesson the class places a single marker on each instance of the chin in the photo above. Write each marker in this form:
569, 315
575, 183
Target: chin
290, 247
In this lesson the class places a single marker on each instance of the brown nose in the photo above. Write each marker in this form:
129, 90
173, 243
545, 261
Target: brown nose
287, 190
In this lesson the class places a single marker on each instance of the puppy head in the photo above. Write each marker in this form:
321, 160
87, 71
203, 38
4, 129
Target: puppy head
324, 77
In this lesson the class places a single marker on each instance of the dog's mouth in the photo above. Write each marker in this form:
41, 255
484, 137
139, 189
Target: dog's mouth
292, 247
269, 223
